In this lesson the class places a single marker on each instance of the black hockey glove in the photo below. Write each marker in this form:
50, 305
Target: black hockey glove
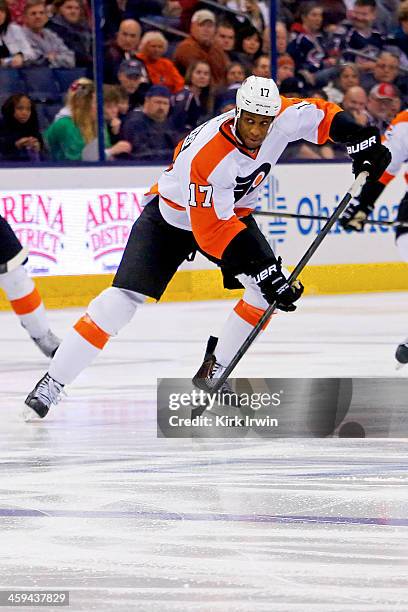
275, 287
367, 152
355, 216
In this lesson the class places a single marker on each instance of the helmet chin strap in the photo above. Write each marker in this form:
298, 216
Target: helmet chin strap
235, 131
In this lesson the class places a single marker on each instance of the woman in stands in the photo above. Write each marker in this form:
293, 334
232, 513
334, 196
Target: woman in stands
20, 137
249, 47
348, 76
71, 134
193, 104
162, 71
15, 50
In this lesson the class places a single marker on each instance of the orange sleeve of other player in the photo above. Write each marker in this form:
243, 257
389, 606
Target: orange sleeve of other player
330, 110
211, 233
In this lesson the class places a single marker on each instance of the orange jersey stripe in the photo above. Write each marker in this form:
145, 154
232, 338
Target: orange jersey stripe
212, 234
386, 178
26, 304
91, 332
243, 212
249, 313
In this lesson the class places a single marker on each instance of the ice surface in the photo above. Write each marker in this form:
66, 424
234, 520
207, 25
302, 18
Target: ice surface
93, 502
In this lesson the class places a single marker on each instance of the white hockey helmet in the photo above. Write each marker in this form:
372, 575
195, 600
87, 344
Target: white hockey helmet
258, 95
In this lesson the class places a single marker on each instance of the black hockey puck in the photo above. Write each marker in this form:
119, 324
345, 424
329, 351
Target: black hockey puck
352, 429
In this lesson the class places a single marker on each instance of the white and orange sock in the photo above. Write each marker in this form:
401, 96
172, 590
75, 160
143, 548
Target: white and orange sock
25, 301
105, 317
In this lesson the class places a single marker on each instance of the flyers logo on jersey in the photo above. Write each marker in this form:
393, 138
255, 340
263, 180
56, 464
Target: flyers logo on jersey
247, 184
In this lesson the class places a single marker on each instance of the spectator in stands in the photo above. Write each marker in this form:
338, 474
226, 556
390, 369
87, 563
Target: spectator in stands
257, 14
200, 45
70, 25
262, 67
68, 136
149, 131
308, 49
113, 15
360, 35
348, 76
123, 47
385, 70
136, 9
20, 137
111, 102
235, 74
131, 76
293, 87
249, 47
383, 104
195, 103
48, 47
355, 102
16, 8
15, 50
171, 14
161, 70
225, 37
285, 68
282, 38
399, 38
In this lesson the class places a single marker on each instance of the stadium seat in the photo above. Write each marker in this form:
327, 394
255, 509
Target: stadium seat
41, 85
11, 82
66, 76
46, 113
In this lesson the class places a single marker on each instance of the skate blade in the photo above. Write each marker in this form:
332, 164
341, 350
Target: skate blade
29, 415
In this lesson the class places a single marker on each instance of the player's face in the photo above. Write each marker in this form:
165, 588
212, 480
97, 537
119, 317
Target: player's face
253, 129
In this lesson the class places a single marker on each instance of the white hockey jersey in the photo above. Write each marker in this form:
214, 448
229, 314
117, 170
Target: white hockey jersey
214, 180
396, 140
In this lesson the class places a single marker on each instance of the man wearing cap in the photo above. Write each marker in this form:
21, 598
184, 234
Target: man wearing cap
133, 79
150, 132
200, 45
383, 104
123, 47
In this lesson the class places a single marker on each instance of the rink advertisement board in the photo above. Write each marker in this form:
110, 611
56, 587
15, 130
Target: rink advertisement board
74, 226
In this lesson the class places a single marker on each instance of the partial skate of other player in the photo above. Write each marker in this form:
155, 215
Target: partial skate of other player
203, 201
355, 217
21, 292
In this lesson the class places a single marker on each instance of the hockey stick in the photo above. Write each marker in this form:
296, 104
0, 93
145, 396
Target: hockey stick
353, 190
275, 213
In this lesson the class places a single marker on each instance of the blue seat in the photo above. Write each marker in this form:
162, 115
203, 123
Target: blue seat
11, 82
46, 113
66, 76
41, 84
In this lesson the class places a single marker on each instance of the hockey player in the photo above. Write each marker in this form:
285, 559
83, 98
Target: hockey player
204, 201
20, 290
396, 140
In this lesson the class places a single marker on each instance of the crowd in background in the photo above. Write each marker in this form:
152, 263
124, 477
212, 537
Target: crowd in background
170, 65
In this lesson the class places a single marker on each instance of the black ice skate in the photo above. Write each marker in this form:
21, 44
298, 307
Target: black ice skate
46, 392
401, 354
48, 343
210, 371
